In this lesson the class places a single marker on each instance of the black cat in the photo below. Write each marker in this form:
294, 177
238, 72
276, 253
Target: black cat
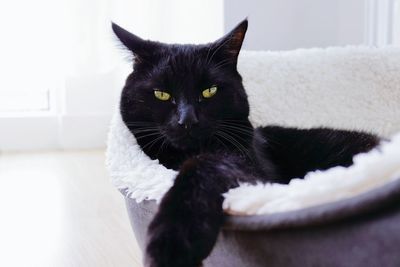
187, 107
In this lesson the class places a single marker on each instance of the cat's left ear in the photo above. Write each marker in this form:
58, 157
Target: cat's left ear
142, 49
230, 44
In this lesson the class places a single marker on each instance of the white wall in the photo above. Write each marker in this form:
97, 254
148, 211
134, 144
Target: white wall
172, 21
291, 24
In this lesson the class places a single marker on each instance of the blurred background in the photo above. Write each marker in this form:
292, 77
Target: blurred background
61, 74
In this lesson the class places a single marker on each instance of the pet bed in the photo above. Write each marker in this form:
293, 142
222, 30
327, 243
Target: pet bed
339, 217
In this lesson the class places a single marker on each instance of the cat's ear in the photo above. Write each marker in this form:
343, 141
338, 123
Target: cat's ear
142, 49
231, 43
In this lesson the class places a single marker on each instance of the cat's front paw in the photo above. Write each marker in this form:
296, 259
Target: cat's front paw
167, 247
186, 227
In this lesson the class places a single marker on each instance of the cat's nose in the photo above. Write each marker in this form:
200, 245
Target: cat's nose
187, 117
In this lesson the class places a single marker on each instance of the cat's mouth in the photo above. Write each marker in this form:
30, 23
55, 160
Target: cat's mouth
188, 140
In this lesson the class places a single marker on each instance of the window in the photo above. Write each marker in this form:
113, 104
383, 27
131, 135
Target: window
30, 55
24, 101
396, 23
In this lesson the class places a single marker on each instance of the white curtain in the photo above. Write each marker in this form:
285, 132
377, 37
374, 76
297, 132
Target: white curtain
29, 51
46, 41
61, 69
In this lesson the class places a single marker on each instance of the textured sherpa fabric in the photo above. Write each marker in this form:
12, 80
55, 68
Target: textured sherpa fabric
350, 88
347, 88
131, 169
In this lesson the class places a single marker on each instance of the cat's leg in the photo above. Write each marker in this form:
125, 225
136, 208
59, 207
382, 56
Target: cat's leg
294, 152
190, 215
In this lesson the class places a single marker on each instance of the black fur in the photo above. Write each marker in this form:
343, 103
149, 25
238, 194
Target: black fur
211, 141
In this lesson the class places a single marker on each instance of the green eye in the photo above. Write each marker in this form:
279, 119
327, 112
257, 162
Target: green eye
163, 96
210, 92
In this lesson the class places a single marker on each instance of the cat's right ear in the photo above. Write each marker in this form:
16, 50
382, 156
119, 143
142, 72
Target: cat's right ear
142, 49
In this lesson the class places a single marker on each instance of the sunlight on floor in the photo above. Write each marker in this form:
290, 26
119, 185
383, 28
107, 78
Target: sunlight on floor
59, 209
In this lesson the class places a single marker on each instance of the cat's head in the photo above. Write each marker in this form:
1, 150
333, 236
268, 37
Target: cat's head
183, 93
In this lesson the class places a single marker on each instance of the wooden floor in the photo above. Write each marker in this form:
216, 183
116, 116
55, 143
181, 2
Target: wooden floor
60, 209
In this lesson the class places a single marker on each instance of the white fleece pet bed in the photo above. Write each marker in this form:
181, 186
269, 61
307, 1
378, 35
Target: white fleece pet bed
347, 88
